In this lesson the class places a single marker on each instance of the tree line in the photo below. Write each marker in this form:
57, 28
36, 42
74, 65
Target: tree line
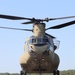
65, 72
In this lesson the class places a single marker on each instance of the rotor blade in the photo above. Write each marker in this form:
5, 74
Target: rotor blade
13, 17
50, 35
62, 18
62, 25
27, 22
15, 28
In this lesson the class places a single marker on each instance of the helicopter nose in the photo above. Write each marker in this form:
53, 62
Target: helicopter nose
39, 48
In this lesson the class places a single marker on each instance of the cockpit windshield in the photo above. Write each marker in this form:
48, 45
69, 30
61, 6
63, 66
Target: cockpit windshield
35, 40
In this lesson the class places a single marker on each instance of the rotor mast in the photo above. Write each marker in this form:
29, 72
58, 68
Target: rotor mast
39, 29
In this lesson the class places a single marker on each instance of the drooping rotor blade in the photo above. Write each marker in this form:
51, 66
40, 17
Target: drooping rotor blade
15, 28
50, 35
62, 25
27, 22
13, 17
62, 18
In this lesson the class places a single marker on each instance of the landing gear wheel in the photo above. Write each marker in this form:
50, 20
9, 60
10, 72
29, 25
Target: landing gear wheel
56, 72
39, 70
22, 72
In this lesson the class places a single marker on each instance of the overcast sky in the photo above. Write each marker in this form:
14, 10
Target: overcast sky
12, 42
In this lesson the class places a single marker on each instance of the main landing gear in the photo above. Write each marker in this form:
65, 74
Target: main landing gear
22, 72
56, 72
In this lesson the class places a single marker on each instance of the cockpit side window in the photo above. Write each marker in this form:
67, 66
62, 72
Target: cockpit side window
45, 40
33, 40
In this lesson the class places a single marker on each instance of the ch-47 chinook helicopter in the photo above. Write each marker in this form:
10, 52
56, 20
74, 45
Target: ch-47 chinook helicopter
39, 51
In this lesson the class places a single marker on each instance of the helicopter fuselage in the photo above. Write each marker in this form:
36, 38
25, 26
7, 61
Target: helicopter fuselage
39, 50
39, 54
